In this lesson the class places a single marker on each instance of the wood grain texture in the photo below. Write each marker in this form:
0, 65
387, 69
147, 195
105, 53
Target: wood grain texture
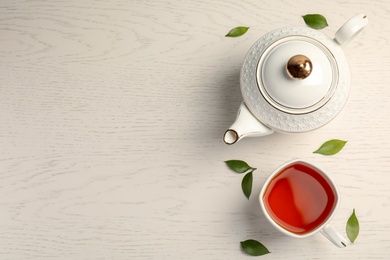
112, 115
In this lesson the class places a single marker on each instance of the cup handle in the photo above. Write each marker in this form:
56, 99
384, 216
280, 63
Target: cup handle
335, 237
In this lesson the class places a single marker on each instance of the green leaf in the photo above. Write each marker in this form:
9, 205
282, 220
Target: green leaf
238, 166
237, 31
246, 184
253, 247
331, 147
315, 21
353, 227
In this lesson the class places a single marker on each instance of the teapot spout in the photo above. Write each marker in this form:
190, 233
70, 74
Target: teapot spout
245, 125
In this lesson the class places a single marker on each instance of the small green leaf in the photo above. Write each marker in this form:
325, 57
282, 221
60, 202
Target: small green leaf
238, 166
315, 21
246, 184
331, 147
353, 227
253, 247
237, 31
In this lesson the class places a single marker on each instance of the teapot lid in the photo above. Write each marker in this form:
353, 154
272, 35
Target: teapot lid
297, 74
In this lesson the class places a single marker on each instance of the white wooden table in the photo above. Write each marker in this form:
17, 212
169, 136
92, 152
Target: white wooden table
111, 122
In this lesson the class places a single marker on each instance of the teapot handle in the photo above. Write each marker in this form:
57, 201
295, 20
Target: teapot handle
350, 29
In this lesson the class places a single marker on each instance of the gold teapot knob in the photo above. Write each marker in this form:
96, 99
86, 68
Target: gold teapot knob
299, 67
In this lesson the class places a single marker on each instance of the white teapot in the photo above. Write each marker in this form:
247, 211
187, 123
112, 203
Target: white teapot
293, 79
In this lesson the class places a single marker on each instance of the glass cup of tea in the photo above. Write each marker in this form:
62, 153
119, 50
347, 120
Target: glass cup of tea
299, 199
